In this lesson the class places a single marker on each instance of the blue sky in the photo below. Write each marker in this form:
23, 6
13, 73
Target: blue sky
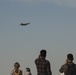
53, 27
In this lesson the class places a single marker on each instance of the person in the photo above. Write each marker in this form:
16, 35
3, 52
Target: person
28, 71
66, 68
16, 70
43, 66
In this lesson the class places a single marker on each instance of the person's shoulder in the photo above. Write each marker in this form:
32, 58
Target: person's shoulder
47, 61
36, 60
75, 65
64, 66
21, 71
71, 64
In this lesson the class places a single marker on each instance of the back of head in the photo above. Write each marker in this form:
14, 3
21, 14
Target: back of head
70, 57
16, 65
28, 69
43, 53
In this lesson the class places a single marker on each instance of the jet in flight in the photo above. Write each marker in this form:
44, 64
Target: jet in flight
24, 24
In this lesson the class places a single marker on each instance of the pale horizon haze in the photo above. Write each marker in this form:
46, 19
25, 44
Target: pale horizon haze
52, 27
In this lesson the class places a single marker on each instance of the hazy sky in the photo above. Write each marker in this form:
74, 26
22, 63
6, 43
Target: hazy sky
53, 27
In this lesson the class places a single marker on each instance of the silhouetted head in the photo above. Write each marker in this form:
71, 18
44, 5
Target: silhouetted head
16, 65
28, 69
43, 53
70, 57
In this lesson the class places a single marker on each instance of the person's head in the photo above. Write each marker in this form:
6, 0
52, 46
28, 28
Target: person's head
70, 57
43, 53
16, 65
28, 69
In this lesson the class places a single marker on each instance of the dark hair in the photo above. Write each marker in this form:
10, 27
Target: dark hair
16, 63
28, 69
70, 56
43, 53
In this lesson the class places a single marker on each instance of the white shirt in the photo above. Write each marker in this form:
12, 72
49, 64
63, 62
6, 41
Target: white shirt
62, 73
27, 73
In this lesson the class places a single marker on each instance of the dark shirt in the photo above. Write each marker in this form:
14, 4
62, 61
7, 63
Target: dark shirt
64, 67
43, 67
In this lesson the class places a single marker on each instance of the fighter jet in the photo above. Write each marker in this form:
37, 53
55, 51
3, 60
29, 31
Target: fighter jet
24, 24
